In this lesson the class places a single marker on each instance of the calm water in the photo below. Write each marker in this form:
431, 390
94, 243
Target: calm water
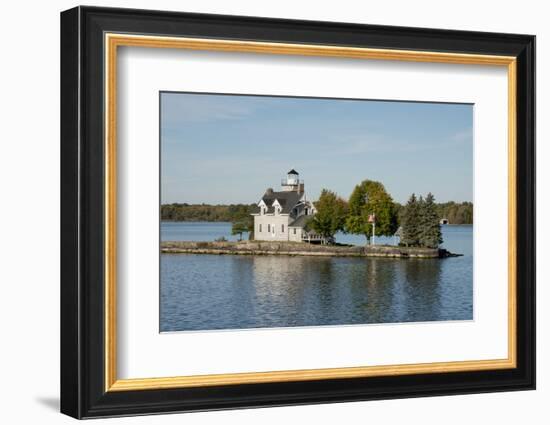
200, 292
208, 231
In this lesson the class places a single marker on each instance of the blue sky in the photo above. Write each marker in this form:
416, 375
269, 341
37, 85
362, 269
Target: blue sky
221, 149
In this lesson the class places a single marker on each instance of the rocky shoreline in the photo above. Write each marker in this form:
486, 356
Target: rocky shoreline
302, 249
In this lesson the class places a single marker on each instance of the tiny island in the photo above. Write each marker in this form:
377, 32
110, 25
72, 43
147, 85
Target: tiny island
286, 222
294, 249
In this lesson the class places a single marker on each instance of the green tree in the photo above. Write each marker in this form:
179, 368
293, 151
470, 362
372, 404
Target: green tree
242, 222
330, 216
430, 229
370, 197
238, 228
410, 224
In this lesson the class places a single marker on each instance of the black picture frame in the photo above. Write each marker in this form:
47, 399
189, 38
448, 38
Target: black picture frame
83, 392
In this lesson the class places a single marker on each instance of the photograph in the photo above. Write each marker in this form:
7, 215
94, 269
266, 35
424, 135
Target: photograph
279, 211
272, 208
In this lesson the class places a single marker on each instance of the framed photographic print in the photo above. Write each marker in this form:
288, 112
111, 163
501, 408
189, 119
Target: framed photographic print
261, 212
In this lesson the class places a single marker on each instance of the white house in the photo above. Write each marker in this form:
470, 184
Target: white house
282, 215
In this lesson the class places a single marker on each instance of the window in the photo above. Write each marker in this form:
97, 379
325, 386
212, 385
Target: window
260, 228
294, 230
306, 211
268, 228
282, 228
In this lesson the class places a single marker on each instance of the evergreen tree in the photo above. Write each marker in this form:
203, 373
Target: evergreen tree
421, 208
370, 197
410, 227
430, 229
330, 215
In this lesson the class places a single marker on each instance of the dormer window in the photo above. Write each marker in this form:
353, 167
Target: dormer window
276, 207
263, 208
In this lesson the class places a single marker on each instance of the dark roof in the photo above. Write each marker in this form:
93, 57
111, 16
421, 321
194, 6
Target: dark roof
293, 171
286, 199
301, 221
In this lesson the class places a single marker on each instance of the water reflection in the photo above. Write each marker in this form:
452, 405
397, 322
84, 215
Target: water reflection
200, 292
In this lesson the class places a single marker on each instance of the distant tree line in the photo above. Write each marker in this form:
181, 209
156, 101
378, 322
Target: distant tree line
455, 212
205, 212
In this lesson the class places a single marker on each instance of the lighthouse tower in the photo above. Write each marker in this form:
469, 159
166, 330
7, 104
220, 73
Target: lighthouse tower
292, 182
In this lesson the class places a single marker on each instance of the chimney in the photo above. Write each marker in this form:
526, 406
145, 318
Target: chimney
269, 191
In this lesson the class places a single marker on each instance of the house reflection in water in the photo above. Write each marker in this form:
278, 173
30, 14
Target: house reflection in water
308, 291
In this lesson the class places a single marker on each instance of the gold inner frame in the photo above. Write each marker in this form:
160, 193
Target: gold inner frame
113, 41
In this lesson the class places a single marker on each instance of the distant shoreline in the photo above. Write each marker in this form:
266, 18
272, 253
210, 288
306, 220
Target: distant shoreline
300, 249
456, 212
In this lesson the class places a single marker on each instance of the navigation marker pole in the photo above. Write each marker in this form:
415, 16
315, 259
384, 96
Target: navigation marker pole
372, 219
